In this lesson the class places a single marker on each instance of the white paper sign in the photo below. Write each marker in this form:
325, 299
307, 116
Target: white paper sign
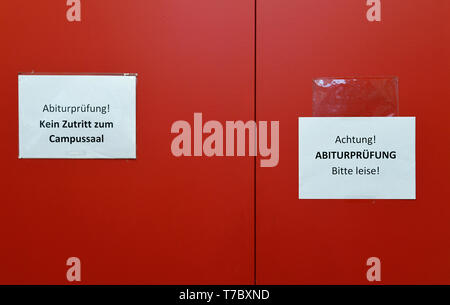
77, 116
357, 158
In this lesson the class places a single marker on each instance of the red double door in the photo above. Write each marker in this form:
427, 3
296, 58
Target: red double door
160, 219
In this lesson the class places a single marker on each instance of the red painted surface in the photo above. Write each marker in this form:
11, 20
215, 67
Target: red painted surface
166, 220
158, 219
329, 241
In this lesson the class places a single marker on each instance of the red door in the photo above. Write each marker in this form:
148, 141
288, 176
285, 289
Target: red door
166, 220
329, 241
155, 220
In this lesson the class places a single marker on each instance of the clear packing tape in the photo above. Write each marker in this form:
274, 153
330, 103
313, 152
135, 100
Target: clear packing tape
355, 96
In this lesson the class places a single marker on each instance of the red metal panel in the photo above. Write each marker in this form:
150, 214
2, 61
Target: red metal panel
158, 219
168, 220
329, 241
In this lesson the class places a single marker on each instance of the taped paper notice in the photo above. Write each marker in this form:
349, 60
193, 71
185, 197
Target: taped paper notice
357, 158
77, 116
